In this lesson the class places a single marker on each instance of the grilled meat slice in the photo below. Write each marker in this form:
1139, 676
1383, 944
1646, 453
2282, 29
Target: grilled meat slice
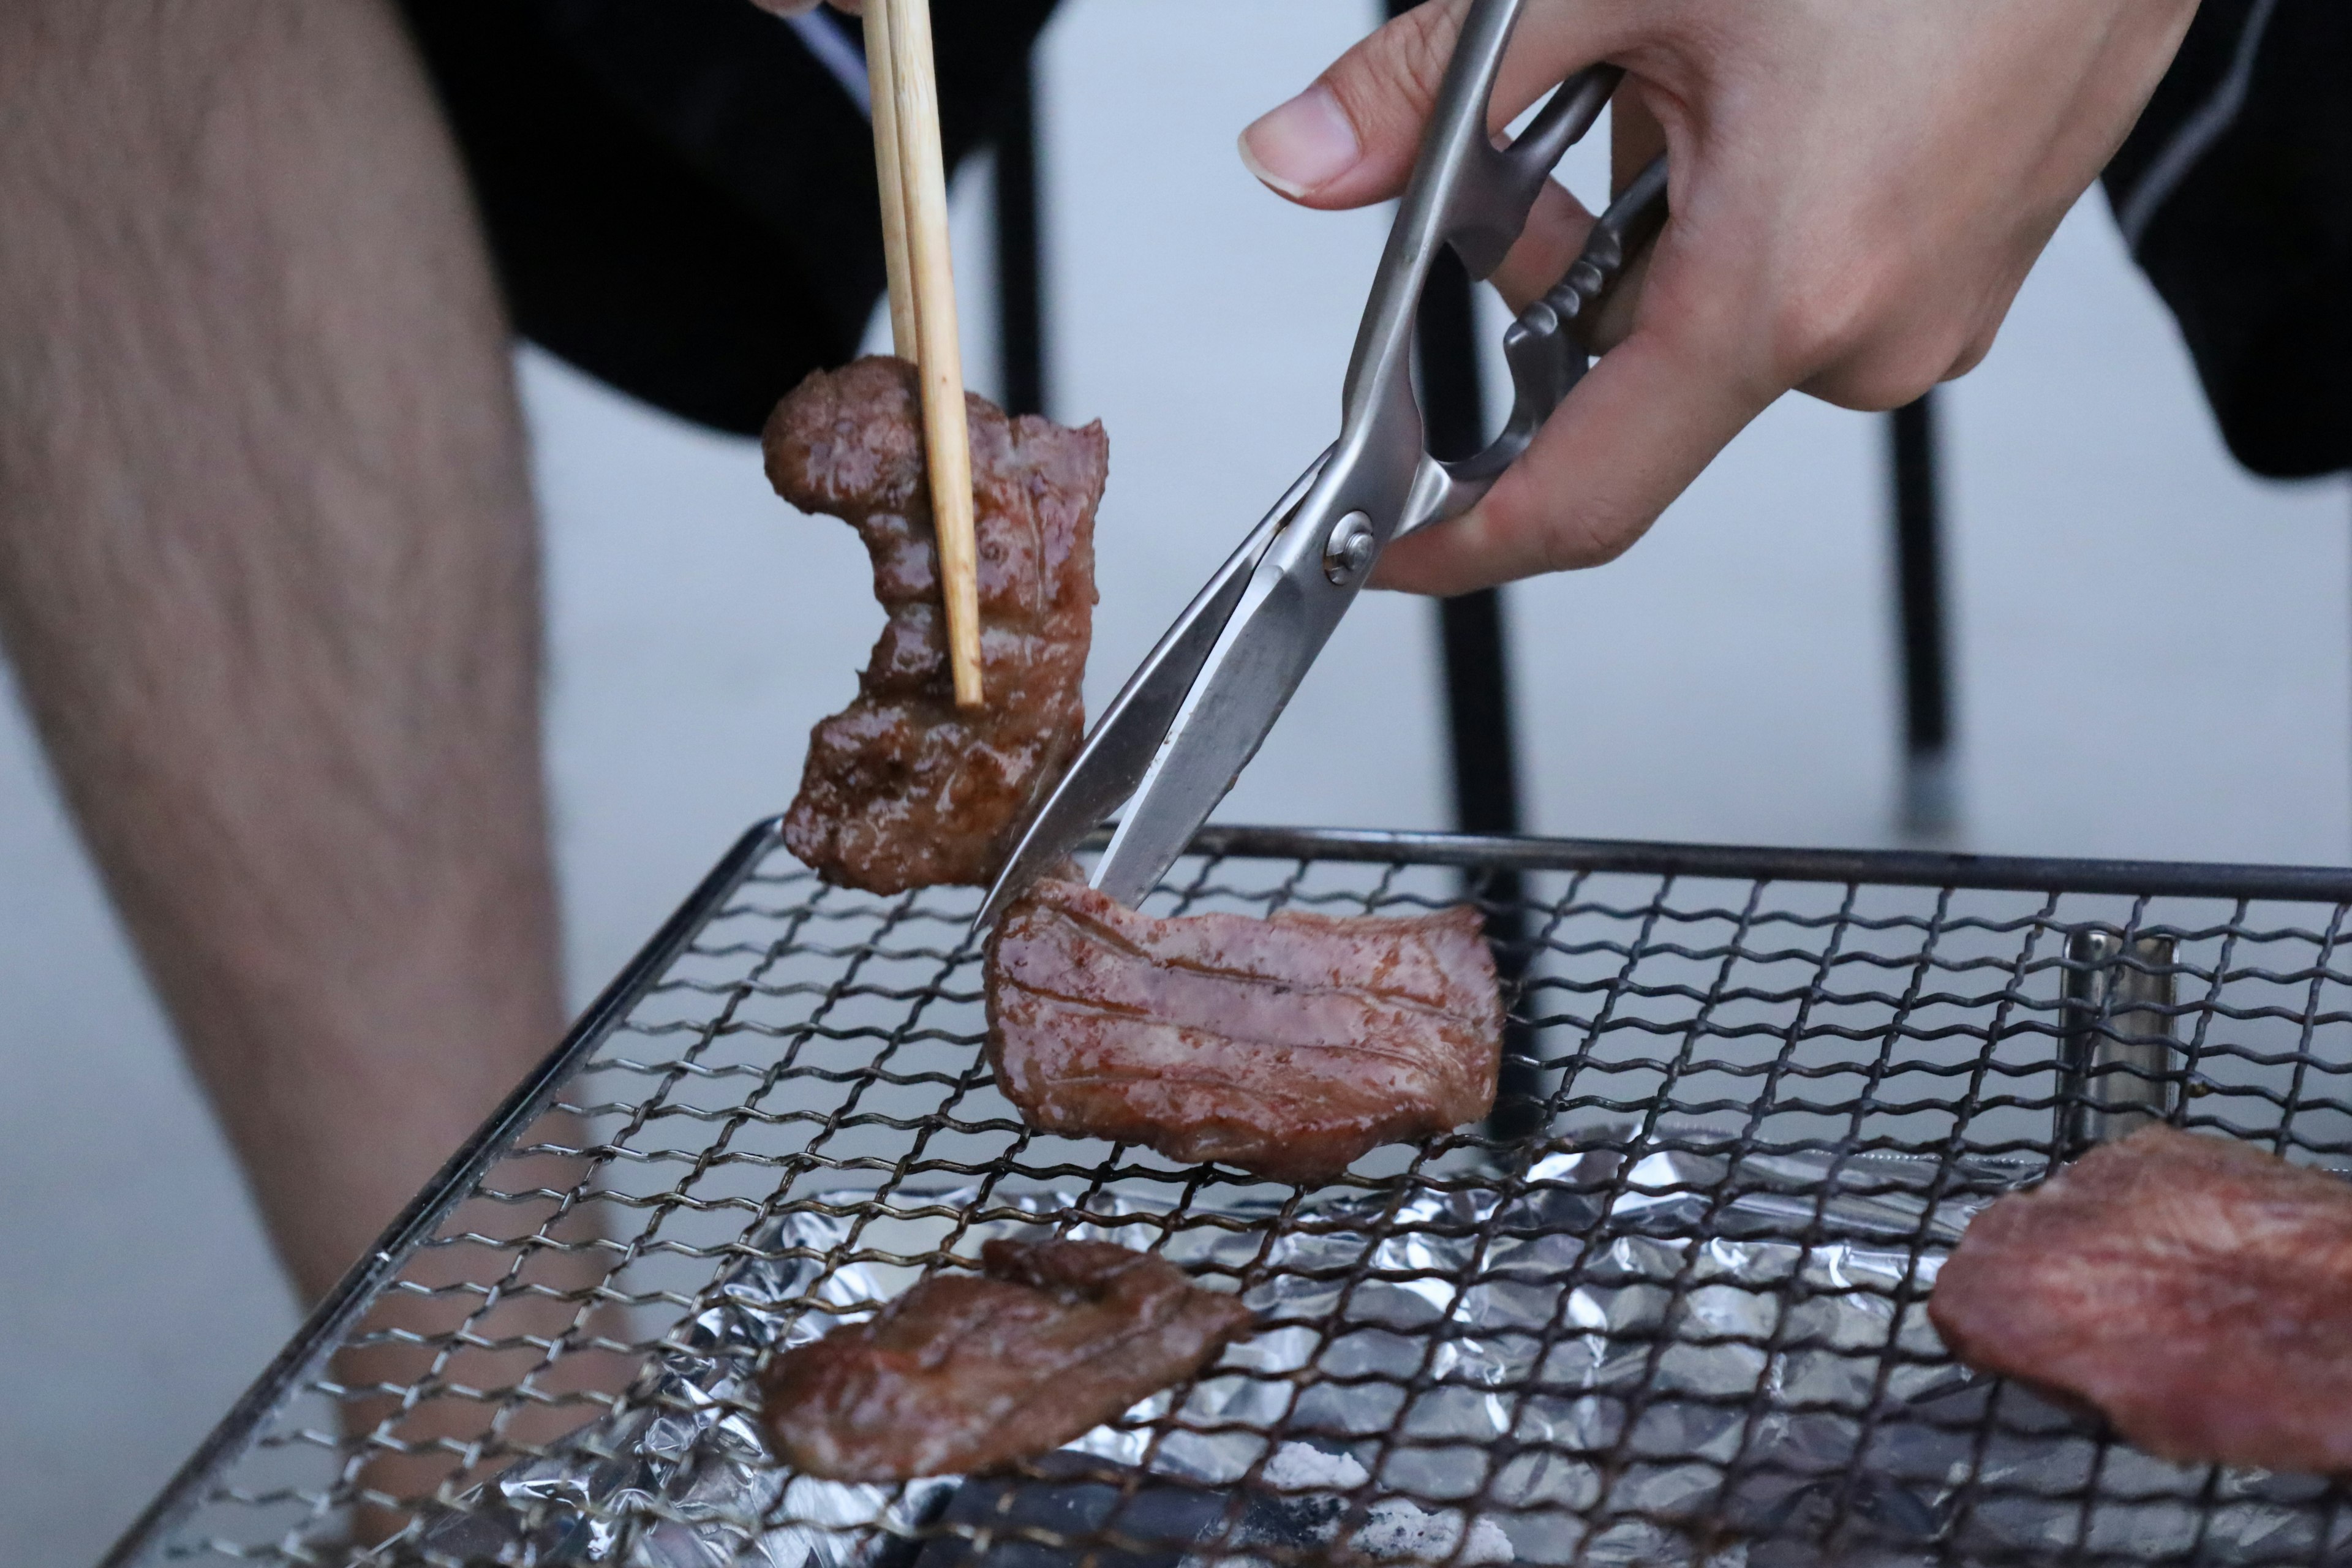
902, 789
2196, 1291
1287, 1046
967, 1371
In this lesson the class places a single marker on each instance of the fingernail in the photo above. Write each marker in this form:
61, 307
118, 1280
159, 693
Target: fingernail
1304, 143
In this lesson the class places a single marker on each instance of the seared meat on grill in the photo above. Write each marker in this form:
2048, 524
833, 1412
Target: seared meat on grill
2196, 1290
902, 789
965, 1372
1287, 1046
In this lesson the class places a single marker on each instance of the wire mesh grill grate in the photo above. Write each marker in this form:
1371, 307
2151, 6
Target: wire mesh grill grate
1684, 1324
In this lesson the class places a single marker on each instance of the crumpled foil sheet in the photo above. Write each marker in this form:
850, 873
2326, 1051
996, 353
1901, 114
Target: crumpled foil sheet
1710, 1314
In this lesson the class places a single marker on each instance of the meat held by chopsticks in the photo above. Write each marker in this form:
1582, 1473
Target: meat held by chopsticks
967, 1371
902, 789
1287, 1046
2196, 1291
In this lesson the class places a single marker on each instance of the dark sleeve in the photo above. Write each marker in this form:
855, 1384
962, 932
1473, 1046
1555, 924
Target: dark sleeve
679, 196
2235, 195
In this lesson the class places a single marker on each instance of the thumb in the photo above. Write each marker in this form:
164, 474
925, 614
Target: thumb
1351, 138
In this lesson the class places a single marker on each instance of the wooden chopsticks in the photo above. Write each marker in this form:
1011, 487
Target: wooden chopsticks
913, 177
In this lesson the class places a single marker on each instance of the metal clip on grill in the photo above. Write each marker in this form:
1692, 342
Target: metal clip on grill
2116, 1054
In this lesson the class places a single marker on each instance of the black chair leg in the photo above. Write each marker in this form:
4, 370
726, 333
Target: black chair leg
1929, 807
1478, 682
1478, 688
1019, 241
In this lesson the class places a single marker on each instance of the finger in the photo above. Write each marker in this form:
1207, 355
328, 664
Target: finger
787, 7
1650, 415
1556, 229
1351, 139
1635, 135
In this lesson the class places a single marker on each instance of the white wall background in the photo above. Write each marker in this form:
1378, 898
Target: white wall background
2152, 652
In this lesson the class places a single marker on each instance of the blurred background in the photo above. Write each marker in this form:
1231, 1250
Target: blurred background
2151, 655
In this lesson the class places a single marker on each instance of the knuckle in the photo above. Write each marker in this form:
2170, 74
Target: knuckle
1824, 324
1971, 356
1401, 66
1874, 389
1871, 342
1589, 536
1908, 362
1875, 386
1425, 47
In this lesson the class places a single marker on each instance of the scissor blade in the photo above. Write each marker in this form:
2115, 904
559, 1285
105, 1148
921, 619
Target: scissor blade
1120, 752
1286, 615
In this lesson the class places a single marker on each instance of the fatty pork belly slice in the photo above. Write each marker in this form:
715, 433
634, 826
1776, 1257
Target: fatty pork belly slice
903, 789
1287, 1046
967, 1372
2195, 1290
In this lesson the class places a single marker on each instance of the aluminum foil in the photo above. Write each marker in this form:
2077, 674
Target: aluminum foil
1641, 1330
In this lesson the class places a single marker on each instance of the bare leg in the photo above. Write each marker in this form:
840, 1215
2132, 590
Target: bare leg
268, 573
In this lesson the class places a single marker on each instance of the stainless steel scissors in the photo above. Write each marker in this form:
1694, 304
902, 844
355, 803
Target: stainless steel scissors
1193, 714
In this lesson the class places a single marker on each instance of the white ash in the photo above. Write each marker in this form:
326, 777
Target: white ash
1302, 1468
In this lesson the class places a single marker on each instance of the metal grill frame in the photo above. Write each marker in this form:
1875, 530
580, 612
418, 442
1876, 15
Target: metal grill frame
327, 1325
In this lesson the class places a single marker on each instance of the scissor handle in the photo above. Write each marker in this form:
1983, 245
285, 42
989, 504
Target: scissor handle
1474, 196
1497, 187
1191, 717
1548, 348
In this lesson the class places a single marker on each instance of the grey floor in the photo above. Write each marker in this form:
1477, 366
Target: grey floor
2155, 658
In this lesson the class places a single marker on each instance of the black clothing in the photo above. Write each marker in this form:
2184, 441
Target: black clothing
679, 196
2235, 192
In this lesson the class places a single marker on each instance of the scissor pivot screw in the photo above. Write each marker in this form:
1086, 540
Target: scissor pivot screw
1350, 549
